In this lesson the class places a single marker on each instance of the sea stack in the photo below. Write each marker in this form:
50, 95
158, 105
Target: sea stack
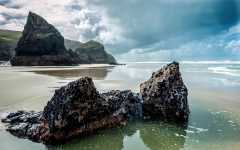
41, 44
165, 95
94, 52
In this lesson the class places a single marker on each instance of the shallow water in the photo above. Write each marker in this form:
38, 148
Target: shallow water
214, 100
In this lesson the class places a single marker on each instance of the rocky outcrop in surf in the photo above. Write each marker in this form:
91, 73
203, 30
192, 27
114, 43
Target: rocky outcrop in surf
78, 109
165, 95
94, 52
41, 44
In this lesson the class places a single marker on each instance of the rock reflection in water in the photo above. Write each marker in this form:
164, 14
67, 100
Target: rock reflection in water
94, 72
111, 139
153, 135
163, 136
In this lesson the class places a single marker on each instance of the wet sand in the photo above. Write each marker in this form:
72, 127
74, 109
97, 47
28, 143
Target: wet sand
214, 100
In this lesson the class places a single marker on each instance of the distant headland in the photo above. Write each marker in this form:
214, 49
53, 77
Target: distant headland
41, 44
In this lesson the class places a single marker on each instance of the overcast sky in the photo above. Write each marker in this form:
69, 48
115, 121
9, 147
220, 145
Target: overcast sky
156, 29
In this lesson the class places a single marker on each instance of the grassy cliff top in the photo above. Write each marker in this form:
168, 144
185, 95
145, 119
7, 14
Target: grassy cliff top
9, 36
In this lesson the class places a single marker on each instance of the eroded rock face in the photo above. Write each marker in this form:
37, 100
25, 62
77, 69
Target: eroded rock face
24, 124
76, 103
165, 95
41, 44
94, 52
78, 109
39, 38
127, 102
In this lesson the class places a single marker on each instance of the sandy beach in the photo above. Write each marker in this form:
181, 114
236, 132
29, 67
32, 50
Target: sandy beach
213, 97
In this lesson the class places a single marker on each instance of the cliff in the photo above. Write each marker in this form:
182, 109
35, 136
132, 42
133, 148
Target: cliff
42, 44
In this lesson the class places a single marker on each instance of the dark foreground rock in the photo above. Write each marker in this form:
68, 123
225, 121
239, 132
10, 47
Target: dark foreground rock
165, 95
23, 124
78, 109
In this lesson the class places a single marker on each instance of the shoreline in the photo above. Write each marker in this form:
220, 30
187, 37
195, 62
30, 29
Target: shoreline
133, 72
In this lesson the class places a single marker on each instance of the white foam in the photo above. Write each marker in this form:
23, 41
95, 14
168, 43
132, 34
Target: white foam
147, 62
197, 130
185, 62
230, 121
3, 114
225, 71
189, 131
211, 62
219, 130
5, 63
219, 112
180, 135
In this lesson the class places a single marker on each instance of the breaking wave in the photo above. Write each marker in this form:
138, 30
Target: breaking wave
5, 63
228, 62
226, 70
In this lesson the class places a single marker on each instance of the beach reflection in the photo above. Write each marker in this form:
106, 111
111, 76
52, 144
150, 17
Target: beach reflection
97, 73
136, 135
163, 136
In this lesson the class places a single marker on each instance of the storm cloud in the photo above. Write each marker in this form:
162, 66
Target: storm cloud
139, 29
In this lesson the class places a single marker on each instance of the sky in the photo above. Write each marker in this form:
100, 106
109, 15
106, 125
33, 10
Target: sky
140, 30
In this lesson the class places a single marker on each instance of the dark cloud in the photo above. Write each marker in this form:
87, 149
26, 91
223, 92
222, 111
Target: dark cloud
175, 21
9, 16
228, 12
3, 22
4, 2
9, 4
136, 26
74, 6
